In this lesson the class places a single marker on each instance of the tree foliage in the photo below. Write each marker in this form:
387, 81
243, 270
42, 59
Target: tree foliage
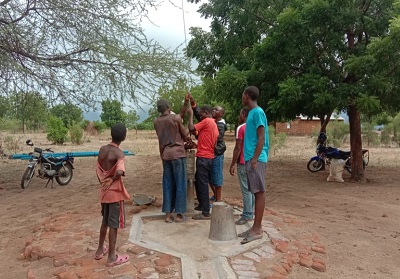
69, 113
131, 119
112, 112
30, 108
82, 51
307, 57
56, 131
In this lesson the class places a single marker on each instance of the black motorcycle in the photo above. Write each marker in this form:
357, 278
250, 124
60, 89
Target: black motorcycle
60, 167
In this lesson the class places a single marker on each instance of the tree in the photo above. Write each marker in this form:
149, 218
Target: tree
308, 57
174, 94
112, 112
4, 106
30, 108
82, 51
131, 119
69, 113
56, 131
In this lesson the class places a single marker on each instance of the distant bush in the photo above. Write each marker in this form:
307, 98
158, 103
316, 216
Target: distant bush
370, 135
10, 124
99, 126
84, 124
277, 141
145, 126
386, 137
56, 130
12, 144
336, 132
76, 134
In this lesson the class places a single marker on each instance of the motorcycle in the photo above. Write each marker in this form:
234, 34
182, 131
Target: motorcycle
325, 154
60, 168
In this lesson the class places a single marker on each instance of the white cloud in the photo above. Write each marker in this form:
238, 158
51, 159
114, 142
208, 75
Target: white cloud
170, 25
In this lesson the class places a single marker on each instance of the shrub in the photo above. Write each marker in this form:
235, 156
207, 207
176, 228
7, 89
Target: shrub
386, 137
84, 124
99, 126
275, 141
145, 126
10, 124
370, 136
76, 134
56, 131
12, 144
336, 132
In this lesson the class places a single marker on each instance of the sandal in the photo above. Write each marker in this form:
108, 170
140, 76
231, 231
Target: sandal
121, 259
99, 257
180, 219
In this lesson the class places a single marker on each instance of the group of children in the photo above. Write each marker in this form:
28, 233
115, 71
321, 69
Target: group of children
250, 155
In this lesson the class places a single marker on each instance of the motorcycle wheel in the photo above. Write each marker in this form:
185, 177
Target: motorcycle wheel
64, 175
27, 177
315, 165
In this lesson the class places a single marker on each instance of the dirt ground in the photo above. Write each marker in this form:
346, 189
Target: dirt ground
358, 223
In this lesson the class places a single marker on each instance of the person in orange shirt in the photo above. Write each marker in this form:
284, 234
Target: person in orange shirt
207, 138
110, 169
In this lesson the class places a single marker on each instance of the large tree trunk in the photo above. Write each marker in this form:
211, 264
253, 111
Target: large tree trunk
357, 170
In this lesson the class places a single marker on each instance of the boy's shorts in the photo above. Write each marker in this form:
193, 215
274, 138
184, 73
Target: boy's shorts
113, 214
217, 175
256, 177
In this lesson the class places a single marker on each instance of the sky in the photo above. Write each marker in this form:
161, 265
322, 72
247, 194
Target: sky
171, 24
168, 26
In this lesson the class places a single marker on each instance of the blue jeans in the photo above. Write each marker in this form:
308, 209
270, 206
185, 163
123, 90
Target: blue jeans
174, 186
217, 175
247, 196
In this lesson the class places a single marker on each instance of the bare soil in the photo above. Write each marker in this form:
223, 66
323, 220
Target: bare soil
357, 223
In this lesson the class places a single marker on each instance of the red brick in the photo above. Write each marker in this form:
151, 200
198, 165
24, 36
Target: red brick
142, 264
28, 241
318, 250
59, 270
304, 251
163, 261
315, 238
319, 260
59, 260
121, 270
305, 262
67, 275
319, 245
282, 247
275, 276
31, 274
279, 269
162, 269
27, 252
36, 253
318, 266
287, 267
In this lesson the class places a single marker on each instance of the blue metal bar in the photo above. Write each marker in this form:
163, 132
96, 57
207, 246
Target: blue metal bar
25, 156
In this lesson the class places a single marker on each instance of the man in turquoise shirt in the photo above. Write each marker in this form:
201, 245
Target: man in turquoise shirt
256, 146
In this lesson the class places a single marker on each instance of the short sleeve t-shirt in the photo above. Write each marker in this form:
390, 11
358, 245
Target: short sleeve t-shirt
255, 119
240, 131
208, 135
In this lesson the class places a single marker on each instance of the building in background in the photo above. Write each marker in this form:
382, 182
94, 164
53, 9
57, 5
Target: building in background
301, 126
